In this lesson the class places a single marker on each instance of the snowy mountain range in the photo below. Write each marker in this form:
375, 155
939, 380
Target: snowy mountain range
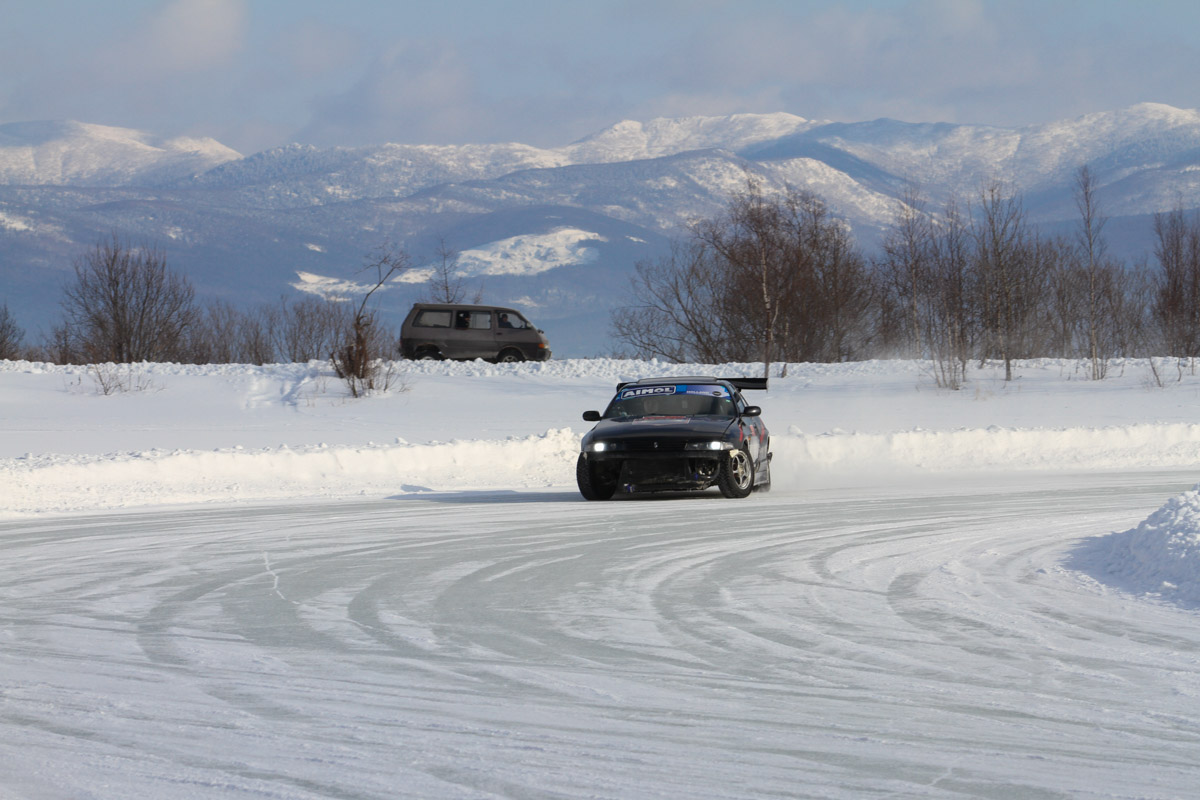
556, 231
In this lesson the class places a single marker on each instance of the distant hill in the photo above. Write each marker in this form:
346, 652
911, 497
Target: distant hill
250, 228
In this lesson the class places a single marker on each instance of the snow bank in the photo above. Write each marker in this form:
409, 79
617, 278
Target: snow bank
1159, 557
237, 432
71, 484
1114, 447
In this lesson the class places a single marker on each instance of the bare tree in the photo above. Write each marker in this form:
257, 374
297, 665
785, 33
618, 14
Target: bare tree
1177, 302
215, 335
951, 319
1066, 297
447, 284
751, 240
673, 314
1100, 277
309, 327
357, 359
841, 288
11, 335
906, 264
126, 306
1010, 273
769, 278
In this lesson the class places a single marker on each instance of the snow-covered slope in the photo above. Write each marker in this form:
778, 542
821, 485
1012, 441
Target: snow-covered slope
246, 227
78, 154
630, 140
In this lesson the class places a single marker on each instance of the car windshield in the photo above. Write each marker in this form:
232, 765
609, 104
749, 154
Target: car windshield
671, 400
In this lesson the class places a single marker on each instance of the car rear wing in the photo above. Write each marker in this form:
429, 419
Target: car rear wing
743, 384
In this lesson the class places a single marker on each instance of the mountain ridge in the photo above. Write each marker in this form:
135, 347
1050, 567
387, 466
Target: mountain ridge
243, 226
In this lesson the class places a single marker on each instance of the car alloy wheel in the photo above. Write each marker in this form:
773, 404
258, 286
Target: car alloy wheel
737, 476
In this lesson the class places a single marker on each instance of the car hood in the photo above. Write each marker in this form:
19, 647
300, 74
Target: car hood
661, 428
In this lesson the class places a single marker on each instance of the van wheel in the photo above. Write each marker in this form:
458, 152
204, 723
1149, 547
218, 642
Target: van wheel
510, 356
427, 354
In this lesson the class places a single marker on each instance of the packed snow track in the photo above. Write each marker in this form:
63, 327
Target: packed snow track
941, 642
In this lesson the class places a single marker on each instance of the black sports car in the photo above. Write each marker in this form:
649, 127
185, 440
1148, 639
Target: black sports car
663, 434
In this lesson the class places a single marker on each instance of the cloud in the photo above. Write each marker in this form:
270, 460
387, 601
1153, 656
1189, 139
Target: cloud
183, 36
413, 92
923, 60
366, 72
312, 49
190, 35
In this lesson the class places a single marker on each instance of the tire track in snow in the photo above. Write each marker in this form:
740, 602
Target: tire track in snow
834, 644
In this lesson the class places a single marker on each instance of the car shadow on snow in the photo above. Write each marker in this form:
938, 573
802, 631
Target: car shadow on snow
506, 496
483, 496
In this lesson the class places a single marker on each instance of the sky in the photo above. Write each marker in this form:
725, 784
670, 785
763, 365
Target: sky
255, 74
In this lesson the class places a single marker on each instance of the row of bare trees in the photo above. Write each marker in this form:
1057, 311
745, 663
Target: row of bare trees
770, 279
981, 282
777, 278
126, 306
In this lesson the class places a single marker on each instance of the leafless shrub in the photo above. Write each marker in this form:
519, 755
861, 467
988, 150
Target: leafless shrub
358, 357
110, 378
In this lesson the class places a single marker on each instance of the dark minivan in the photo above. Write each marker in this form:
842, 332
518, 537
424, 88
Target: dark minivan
454, 330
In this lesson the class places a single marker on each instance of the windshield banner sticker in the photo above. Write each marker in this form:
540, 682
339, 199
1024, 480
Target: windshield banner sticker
648, 391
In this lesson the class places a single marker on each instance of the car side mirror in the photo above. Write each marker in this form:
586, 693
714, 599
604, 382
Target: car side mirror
752, 411
591, 416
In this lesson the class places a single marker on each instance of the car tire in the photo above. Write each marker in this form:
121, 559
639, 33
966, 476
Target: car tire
510, 355
589, 487
737, 474
427, 354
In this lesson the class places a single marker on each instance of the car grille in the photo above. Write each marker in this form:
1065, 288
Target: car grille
655, 445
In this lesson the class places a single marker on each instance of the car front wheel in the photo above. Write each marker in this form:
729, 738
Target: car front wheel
591, 486
737, 474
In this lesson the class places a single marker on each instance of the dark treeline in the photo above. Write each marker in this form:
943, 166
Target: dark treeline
777, 278
773, 278
126, 306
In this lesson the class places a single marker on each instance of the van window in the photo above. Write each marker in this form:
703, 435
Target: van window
473, 320
511, 319
432, 319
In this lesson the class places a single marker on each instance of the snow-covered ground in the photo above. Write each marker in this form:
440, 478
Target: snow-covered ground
235, 581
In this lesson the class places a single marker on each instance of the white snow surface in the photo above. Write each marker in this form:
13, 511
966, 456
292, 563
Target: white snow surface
531, 255
236, 581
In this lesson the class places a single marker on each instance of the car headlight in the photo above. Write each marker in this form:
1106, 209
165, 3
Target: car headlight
603, 447
708, 446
